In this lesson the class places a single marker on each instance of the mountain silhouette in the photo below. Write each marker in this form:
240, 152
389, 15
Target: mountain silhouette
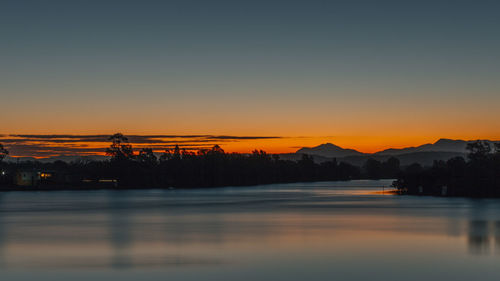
442, 145
329, 150
443, 149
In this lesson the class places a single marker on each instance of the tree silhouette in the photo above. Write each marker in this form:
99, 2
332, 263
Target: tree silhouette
216, 149
176, 153
120, 149
146, 156
373, 168
165, 156
3, 152
391, 167
477, 177
478, 150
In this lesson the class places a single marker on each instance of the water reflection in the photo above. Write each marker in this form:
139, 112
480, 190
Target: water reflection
119, 228
2, 235
482, 236
254, 232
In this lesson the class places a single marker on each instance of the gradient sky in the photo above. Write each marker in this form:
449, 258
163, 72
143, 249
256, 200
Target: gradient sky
361, 74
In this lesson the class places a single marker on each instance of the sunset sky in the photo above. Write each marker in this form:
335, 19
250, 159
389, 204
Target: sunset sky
273, 75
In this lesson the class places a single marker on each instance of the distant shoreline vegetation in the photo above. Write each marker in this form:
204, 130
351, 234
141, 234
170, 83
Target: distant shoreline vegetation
179, 168
478, 176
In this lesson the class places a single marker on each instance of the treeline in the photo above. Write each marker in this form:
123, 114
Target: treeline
202, 168
476, 176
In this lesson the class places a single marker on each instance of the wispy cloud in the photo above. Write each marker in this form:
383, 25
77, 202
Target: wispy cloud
57, 145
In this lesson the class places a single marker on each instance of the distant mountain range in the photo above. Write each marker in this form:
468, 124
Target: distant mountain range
442, 145
442, 149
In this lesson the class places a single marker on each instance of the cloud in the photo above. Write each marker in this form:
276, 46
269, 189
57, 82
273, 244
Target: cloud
136, 138
244, 137
55, 145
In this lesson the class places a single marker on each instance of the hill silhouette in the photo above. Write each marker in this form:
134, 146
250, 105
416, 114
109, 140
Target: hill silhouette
329, 150
443, 145
443, 149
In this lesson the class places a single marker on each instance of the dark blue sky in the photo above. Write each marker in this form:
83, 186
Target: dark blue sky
185, 66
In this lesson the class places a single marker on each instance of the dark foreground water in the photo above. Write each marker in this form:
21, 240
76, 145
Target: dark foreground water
305, 231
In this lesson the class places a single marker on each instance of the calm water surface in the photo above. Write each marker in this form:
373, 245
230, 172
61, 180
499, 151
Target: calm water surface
303, 231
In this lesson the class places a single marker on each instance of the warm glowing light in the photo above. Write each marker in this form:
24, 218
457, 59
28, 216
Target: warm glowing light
45, 175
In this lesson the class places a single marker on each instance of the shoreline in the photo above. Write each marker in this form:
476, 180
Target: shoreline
13, 188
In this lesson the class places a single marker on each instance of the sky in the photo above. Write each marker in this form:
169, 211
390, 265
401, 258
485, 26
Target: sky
366, 75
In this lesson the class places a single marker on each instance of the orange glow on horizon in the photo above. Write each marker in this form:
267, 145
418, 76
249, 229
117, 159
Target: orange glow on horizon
67, 146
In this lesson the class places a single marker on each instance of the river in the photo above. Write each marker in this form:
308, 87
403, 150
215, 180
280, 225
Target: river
352, 230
